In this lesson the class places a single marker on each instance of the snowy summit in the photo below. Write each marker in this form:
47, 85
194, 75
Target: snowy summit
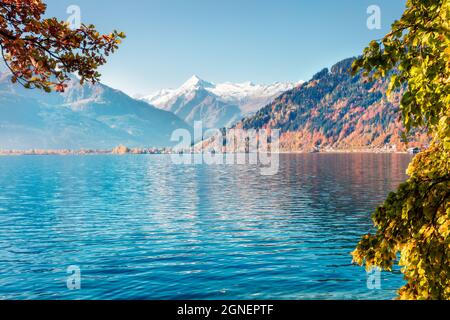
217, 105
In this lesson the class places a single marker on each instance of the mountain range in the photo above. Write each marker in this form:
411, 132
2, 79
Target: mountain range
216, 105
336, 110
83, 117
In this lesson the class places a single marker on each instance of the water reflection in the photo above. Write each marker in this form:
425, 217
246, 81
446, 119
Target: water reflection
141, 227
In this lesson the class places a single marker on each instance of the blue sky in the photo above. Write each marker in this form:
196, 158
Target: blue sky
234, 40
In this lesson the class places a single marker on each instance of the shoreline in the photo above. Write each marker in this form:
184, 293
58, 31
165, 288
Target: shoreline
86, 152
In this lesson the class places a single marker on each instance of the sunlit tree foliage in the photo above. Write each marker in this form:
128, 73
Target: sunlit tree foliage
414, 222
43, 52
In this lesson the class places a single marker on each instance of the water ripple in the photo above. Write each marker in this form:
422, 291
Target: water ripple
140, 227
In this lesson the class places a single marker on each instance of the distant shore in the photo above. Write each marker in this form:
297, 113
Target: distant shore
68, 152
158, 151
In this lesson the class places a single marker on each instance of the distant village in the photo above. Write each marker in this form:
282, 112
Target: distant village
122, 150
117, 150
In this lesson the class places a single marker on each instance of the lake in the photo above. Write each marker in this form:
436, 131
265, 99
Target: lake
141, 227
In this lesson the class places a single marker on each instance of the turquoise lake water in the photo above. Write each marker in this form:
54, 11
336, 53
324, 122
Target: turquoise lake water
141, 227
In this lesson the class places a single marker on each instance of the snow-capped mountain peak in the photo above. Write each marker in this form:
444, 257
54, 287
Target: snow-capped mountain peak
216, 104
196, 82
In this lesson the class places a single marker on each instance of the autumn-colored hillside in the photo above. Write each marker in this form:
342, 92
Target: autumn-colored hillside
335, 110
